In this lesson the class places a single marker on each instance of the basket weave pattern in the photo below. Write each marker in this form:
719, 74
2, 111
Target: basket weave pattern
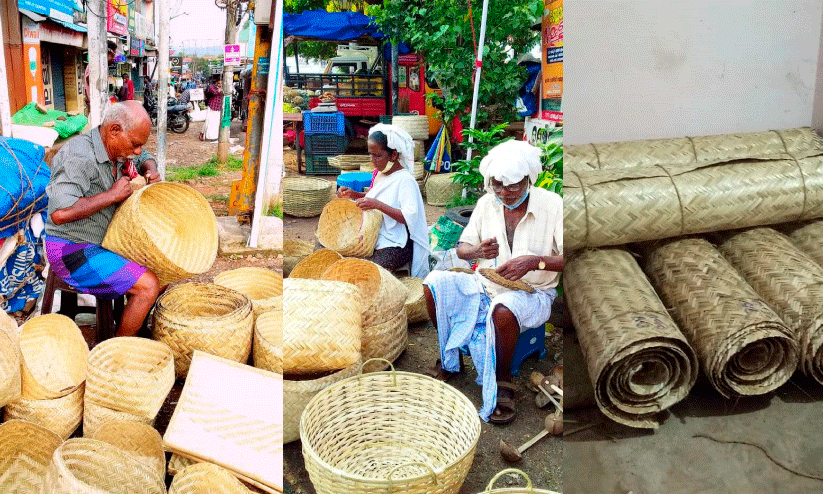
9, 370
313, 265
416, 125
347, 229
416, 301
267, 349
25, 454
350, 161
141, 441
53, 357
809, 239
294, 251
386, 341
440, 189
95, 416
382, 293
262, 286
59, 415
206, 477
305, 196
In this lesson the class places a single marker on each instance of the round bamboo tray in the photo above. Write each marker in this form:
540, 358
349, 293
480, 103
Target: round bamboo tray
53, 357
206, 477
305, 196
416, 125
347, 229
372, 433
528, 489
167, 227
349, 161
323, 325
140, 441
262, 286
9, 369
294, 251
416, 310
25, 454
207, 317
313, 265
88, 466
382, 294
298, 392
267, 349
440, 189
59, 415
130, 374
385, 341
367, 167
95, 416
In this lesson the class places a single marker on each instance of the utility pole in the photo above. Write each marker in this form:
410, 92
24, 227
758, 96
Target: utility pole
162, 85
225, 118
98, 61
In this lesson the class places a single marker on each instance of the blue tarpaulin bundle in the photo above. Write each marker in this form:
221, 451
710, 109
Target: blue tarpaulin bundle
330, 26
23, 179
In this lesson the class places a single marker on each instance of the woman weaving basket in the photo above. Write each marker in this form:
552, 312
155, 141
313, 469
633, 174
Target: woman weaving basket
403, 236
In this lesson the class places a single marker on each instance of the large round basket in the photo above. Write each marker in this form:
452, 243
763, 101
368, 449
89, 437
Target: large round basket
416, 301
25, 454
167, 227
373, 433
262, 286
9, 369
305, 196
206, 477
440, 189
420, 149
141, 441
350, 161
207, 317
322, 325
88, 466
313, 265
385, 341
59, 415
383, 295
53, 357
294, 251
130, 374
419, 171
416, 125
528, 489
347, 229
267, 349
95, 416
298, 392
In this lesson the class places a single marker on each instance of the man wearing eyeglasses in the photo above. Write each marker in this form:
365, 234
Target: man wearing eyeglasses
517, 230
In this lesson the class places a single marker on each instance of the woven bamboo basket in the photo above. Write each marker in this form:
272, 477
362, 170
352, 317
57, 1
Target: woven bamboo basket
294, 251
638, 360
419, 172
528, 489
350, 161
9, 369
88, 466
25, 454
177, 463
420, 149
207, 317
262, 286
53, 357
167, 227
373, 434
314, 264
385, 341
789, 281
743, 346
322, 327
59, 415
440, 189
267, 349
366, 167
95, 416
416, 125
206, 477
809, 239
347, 229
9, 326
416, 301
382, 295
130, 374
305, 196
141, 441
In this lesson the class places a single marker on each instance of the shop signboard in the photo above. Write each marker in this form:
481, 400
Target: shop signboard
552, 59
132, 22
136, 48
33, 76
231, 54
117, 17
62, 10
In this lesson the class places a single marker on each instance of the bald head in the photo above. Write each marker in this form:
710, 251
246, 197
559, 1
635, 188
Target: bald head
128, 114
125, 129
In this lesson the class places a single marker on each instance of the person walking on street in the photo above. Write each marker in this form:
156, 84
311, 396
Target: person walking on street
214, 104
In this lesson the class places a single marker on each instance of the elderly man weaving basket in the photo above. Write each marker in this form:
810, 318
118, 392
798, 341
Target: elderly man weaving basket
90, 176
517, 231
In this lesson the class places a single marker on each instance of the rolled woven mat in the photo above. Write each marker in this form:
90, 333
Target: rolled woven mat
382, 294
294, 251
206, 477
203, 316
322, 325
789, 281
743, 346
262, 286
416, 301
25, 454
386, 340
774, 144
167, 227
53, 357
305, 196
9, 369
95, 416
59, 415
347, 229
638, 360
809, 239
440, 189
603, 208
312, 266
267, 349
141, 441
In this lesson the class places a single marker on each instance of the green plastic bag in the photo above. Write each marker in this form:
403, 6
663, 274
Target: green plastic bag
28, 115
444, 234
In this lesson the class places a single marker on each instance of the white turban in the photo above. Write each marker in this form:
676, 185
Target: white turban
509, 162
398, 140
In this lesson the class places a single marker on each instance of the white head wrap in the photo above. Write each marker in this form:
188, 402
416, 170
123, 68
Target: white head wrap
509, 162
399, 140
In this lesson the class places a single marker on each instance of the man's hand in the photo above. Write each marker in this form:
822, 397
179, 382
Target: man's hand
121, 189
367, 203
152, 177
488, 249
346, 193
514, 269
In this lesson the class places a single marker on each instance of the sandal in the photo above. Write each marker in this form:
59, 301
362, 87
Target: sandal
440, 374
505, 412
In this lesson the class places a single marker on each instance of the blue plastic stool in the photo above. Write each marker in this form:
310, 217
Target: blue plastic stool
356, 181
531, 341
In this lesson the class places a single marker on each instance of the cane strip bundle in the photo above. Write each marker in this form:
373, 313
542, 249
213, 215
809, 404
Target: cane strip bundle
638, 360
416, 125
201, 478
53, 357
88, 466
322, 329
789, 281
347, 229
59, 415
262, 286
743, 346
495, 277
385, 342
167, 227
350, 161
809, 239
294, 251
25, 454
528, 489
440, 189
416, 301
267, 349
207, 317
313, 265
381, 292
140, 441
305, 196
9, 369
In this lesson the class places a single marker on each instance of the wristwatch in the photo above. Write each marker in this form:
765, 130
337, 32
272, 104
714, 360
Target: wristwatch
541, 265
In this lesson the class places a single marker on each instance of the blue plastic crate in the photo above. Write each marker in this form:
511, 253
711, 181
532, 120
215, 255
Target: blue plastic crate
356, 181
319, 165
324, 123
326, 144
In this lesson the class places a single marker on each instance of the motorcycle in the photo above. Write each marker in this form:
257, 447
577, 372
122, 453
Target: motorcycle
177, 115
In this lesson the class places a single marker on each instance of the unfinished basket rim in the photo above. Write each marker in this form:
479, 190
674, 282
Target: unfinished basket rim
41, 380
258, 284
359, 272
313, 265
180, 296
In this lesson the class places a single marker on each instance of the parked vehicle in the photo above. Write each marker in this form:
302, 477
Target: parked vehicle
177, 115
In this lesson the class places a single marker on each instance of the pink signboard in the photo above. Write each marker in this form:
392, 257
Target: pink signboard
117, 16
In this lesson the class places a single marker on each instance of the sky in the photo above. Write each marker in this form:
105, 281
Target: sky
204, 25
